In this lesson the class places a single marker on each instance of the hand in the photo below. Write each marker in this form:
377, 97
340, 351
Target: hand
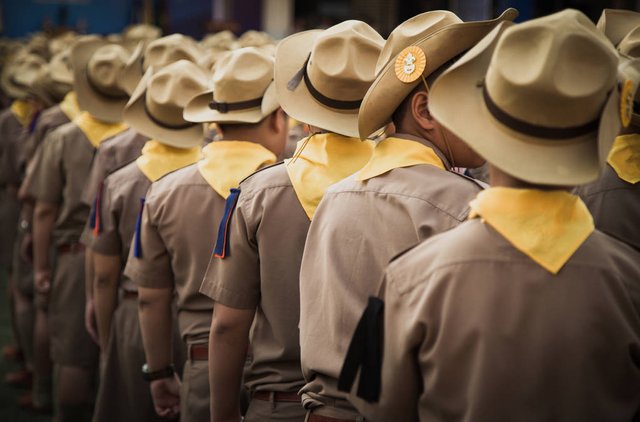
42, 282
26, 248
166, 396
90, 320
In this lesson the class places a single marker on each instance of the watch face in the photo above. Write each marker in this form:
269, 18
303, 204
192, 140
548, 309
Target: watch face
145, 368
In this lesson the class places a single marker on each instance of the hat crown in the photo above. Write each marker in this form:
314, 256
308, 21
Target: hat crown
170, 49
413, 30
104, 67
169, 90
555, 71
616, 23
142, 32
630, 44
342, 61
242, 75
27, 70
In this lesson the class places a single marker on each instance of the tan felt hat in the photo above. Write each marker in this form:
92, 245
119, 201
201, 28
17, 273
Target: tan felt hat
242, 90
322, 76
20, 74
62, 42
157, 54
61, 68
48, 90
431, 39
253, 38
155, 108
97, 67
630, 44
537, 100
220, 40
142, 32
616, 23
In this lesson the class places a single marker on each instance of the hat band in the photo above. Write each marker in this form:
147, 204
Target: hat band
162, 124
320, 97
100, 91
537, 131
240, 105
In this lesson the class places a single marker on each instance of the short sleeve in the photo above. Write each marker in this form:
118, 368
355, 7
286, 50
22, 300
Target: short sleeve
97, 174
152, 267
108, 209
234, 281
47, 179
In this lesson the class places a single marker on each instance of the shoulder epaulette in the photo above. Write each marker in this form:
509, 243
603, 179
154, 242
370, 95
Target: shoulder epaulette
476, 182
262, 169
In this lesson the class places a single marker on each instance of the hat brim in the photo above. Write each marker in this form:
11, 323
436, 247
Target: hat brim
101, 107
457, 102
136, 116
198, 110
291, 54
387, 92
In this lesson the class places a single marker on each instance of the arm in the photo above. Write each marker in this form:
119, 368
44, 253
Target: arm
156, 320
228, 342
90, 307
43, 222
105, 287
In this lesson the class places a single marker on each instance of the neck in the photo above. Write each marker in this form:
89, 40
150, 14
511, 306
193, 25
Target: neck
499, 178
246, 135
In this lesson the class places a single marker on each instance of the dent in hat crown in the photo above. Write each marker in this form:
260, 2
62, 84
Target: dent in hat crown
104, 67
170, 49
242, 75
343, 58
555, 71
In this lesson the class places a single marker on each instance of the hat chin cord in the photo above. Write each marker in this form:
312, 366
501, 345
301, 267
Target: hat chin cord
442, 132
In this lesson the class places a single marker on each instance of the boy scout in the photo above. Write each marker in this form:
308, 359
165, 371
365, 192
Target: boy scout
154, 110
321, 78
59, 217
175, 248
407, 191
126, 147
614, 199
525, 309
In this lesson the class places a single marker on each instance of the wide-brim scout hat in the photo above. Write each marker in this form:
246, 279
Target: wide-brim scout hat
142, 32
62, 42
242, 90
158, 54
48, 90
616, 23
630, 44
414, 50
537, 100
253, 38
220, 40
321, 76
97, 67
155, 108
19, 75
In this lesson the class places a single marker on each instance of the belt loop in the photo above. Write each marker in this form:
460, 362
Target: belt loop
189, 346
272, 400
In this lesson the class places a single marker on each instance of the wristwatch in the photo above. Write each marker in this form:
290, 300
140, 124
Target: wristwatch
148, 375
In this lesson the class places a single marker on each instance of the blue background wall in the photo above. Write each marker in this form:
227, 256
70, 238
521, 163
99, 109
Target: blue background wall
21, 17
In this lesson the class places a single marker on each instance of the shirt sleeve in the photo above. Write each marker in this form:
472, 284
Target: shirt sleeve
47, 179
152, 268
234, 281
106, 239
96, 175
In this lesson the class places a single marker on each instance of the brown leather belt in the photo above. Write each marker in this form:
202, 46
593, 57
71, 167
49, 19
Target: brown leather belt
199, 352
70, 248
319, 418
276, 396
127, 294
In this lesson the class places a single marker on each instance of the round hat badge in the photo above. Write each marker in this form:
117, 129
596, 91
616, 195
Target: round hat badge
410, 64
626, 102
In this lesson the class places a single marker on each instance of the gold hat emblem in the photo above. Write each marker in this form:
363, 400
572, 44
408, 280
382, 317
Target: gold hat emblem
626, 102
410, 64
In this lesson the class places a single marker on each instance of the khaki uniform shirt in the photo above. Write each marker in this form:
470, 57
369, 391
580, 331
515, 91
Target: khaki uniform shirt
475, 330
266, 239
59, 177
179, 224
112, 154
48, 120
11, 133
357, 229
615, 206
119, 210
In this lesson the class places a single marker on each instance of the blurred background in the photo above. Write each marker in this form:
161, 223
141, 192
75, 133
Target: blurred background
279, 18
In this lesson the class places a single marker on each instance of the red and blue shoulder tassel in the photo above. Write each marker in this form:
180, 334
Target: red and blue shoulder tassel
222, 242
95, 222
34, 120
137, 242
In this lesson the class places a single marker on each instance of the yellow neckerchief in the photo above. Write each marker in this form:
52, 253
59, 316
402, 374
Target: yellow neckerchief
159, 159
69, 105
548, 226
624, 157
392, 153
23, 112
321, 160
227, 163
96, 130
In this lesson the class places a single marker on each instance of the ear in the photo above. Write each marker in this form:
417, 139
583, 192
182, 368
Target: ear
420, 110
